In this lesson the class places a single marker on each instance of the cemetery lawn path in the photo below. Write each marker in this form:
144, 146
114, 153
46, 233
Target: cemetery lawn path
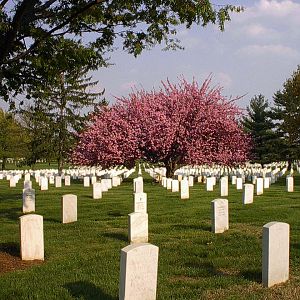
82, 258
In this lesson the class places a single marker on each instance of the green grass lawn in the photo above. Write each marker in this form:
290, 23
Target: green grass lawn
82, 258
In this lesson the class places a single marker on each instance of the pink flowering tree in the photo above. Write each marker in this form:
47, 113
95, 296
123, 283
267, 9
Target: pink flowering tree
179, 124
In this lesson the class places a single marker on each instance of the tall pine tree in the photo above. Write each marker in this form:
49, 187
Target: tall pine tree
58, 113
286, 115
259, 125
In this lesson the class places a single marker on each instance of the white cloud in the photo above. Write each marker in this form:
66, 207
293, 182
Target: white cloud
258, 30
258, 50
277, 8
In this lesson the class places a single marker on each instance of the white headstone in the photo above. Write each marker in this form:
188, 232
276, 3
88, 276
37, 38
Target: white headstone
239, 183
31, 237
27, 184
191, 180
28, 200
116, 181
12, 182
184, 189
224, 186
93, 179
104, 185
138, 227
169, 183
44, 183
69, 208
57, 181
51, 179
275, 256
138, 272
67, 180
233, 180
248, 193
97, 190
259, 186
175, 185
140, 202
27, 177
220, 219
138, 185
267, 181
210, 184
290, 183
86, 181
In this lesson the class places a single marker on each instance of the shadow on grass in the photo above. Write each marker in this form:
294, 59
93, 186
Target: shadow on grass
87, 291
117, 236
11, 213
252, 275
51, 220
192, 227
116, 214
12, 249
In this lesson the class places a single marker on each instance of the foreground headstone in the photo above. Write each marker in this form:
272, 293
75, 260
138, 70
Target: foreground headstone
220, 220
31, 237
69, 208
248, 193
138, 227
140, 202
275, 256
97, 190
138, 272
28, 200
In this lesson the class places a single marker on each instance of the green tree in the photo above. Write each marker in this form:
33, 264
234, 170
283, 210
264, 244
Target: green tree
259, 124
61, 107
286, 115
29, 28
13, 138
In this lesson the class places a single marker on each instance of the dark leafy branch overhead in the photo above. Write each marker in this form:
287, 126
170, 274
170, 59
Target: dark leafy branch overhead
28, 27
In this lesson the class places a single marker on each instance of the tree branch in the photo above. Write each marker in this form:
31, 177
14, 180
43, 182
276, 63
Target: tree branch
54, 29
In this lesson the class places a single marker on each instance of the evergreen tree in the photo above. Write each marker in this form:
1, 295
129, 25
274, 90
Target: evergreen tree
286, 115
60, 108
13, 138
259, 125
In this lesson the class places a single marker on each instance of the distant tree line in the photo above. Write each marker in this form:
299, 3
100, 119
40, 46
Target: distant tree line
48, 127
275, 129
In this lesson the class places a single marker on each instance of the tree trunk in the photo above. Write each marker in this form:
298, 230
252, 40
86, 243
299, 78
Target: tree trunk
3, 163
171, 168
289, 165
60, 164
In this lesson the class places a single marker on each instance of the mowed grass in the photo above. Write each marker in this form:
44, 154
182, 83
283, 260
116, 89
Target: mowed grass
82, 258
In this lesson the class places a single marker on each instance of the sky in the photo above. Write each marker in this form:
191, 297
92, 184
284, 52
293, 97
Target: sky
257, 52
